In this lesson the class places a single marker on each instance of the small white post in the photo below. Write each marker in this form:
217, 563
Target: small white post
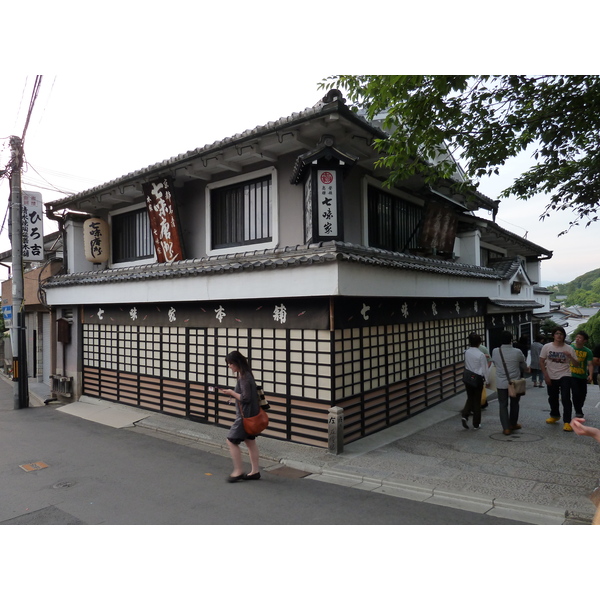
336, 430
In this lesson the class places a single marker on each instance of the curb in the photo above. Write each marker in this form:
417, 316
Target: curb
533, 514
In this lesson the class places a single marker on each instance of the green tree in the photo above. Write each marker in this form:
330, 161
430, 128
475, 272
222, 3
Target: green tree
486, 120
546, 327
592, 328
580, 298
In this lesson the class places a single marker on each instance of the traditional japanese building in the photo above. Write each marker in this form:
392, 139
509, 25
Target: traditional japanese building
282, 242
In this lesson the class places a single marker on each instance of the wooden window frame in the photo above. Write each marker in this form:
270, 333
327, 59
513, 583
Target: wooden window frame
242, 234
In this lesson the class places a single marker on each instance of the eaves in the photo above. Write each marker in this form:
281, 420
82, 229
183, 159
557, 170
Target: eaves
280, 258
296, 119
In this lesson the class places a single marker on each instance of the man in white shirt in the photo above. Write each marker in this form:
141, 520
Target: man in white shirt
475, 362
556, 359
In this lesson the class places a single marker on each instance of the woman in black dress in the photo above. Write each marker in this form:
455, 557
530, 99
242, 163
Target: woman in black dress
245, 393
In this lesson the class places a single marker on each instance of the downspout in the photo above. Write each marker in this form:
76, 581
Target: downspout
61, 228
60, 219
9, 267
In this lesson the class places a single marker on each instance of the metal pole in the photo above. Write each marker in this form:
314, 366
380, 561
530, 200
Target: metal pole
21, 392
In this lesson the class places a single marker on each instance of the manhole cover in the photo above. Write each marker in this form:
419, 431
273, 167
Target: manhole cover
289, 472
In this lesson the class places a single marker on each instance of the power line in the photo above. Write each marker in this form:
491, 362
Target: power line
47, 100
34, 95
53, 187
21, 102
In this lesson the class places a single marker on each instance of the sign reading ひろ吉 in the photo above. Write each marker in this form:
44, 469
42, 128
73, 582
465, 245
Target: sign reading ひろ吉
327, 203
32, 217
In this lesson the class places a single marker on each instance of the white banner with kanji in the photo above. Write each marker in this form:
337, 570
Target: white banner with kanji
33, 226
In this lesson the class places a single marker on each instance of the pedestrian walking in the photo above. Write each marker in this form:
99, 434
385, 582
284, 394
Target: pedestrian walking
534, 360
583, 374
523, 345
245, 396
510, 364
596, 361
486, 353
556, 358
476, 369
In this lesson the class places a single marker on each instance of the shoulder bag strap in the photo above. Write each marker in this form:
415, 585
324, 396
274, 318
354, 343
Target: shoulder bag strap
505, 369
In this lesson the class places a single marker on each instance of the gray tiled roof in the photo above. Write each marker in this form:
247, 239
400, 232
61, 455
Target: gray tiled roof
272, 126
279, 258
516, 303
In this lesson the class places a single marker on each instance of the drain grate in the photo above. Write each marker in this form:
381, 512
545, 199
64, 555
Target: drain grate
36, 466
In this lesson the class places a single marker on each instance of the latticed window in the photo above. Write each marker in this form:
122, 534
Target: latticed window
241, 213
131, 236
394, 223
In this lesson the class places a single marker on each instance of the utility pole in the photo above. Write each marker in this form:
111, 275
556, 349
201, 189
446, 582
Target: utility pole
18, 339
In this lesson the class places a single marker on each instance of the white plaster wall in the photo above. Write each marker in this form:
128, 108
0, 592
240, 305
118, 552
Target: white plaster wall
534, 271
77, 262
363, 280
317, 280
469, 248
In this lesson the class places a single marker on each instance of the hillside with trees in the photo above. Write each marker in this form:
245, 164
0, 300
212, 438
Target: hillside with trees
582, 291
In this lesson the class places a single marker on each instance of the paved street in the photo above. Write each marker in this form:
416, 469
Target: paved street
84, 472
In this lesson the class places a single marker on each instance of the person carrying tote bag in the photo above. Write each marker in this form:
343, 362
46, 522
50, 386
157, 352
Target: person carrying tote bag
510, 365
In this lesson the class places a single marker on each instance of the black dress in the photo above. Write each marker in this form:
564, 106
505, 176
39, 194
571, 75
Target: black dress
246, 388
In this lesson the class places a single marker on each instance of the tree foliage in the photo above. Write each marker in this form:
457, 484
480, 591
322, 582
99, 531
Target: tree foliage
592, 328
546, 327
582, 291
485, 120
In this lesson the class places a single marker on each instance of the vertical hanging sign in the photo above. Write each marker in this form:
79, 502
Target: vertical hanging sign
308, 210
96, 240
327, 203
163, 221
32, 217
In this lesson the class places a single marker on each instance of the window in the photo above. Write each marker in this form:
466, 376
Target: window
242, 211
393, 223
131, 236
